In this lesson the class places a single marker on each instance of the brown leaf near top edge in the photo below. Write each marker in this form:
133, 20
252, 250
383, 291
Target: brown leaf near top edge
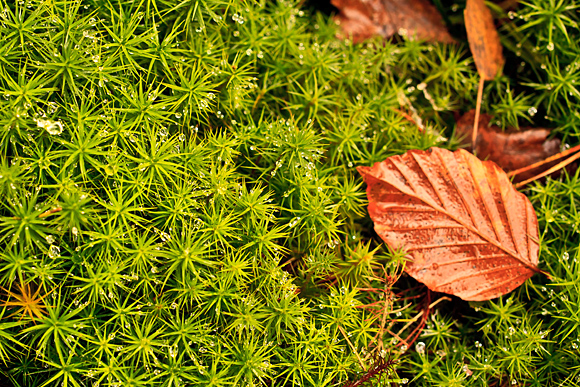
511, 149
483, 39
466, 229
364, 19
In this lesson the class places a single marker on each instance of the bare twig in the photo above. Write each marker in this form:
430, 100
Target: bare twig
352, 347
477, 111
549, 171
421, 314
545, 161
50, 212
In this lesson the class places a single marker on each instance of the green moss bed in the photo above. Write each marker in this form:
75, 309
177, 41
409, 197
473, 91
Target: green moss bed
180, 206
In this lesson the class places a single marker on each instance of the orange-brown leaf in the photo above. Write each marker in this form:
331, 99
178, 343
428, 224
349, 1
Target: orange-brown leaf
483, 39
364, 19
467, 231
511, 149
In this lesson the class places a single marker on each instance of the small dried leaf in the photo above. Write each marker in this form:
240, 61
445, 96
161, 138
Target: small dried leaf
467, 231
511, 149
366, 18
483, 39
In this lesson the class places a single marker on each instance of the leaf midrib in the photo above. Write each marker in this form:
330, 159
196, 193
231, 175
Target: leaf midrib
444, 211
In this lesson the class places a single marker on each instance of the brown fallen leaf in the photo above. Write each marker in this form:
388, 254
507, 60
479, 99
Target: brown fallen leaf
512, 149
467, 231
366, 18
485, 47
483, 39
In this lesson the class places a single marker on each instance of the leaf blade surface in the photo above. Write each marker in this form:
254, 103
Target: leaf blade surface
467, 230
365, 18
483, 38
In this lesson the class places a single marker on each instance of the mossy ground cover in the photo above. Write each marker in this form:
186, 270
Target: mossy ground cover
180, 204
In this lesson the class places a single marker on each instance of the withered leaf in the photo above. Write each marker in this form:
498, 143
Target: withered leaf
467, 231
366, 18
483, 39
511, 149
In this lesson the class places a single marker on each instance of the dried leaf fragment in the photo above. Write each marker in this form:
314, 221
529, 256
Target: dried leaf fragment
511, 149
366, 18
485, 47
467, 231
483, 39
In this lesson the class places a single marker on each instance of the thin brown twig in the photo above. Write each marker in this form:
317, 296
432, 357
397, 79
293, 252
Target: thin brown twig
352, 347
290, 261
477, 111
404, 341
50, 212
415, 333
407, 117
550, 171
421, 314
45, 213
376, 339
382, 326
545, 161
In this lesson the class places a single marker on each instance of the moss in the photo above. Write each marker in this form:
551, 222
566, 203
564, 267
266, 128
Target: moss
178, 187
